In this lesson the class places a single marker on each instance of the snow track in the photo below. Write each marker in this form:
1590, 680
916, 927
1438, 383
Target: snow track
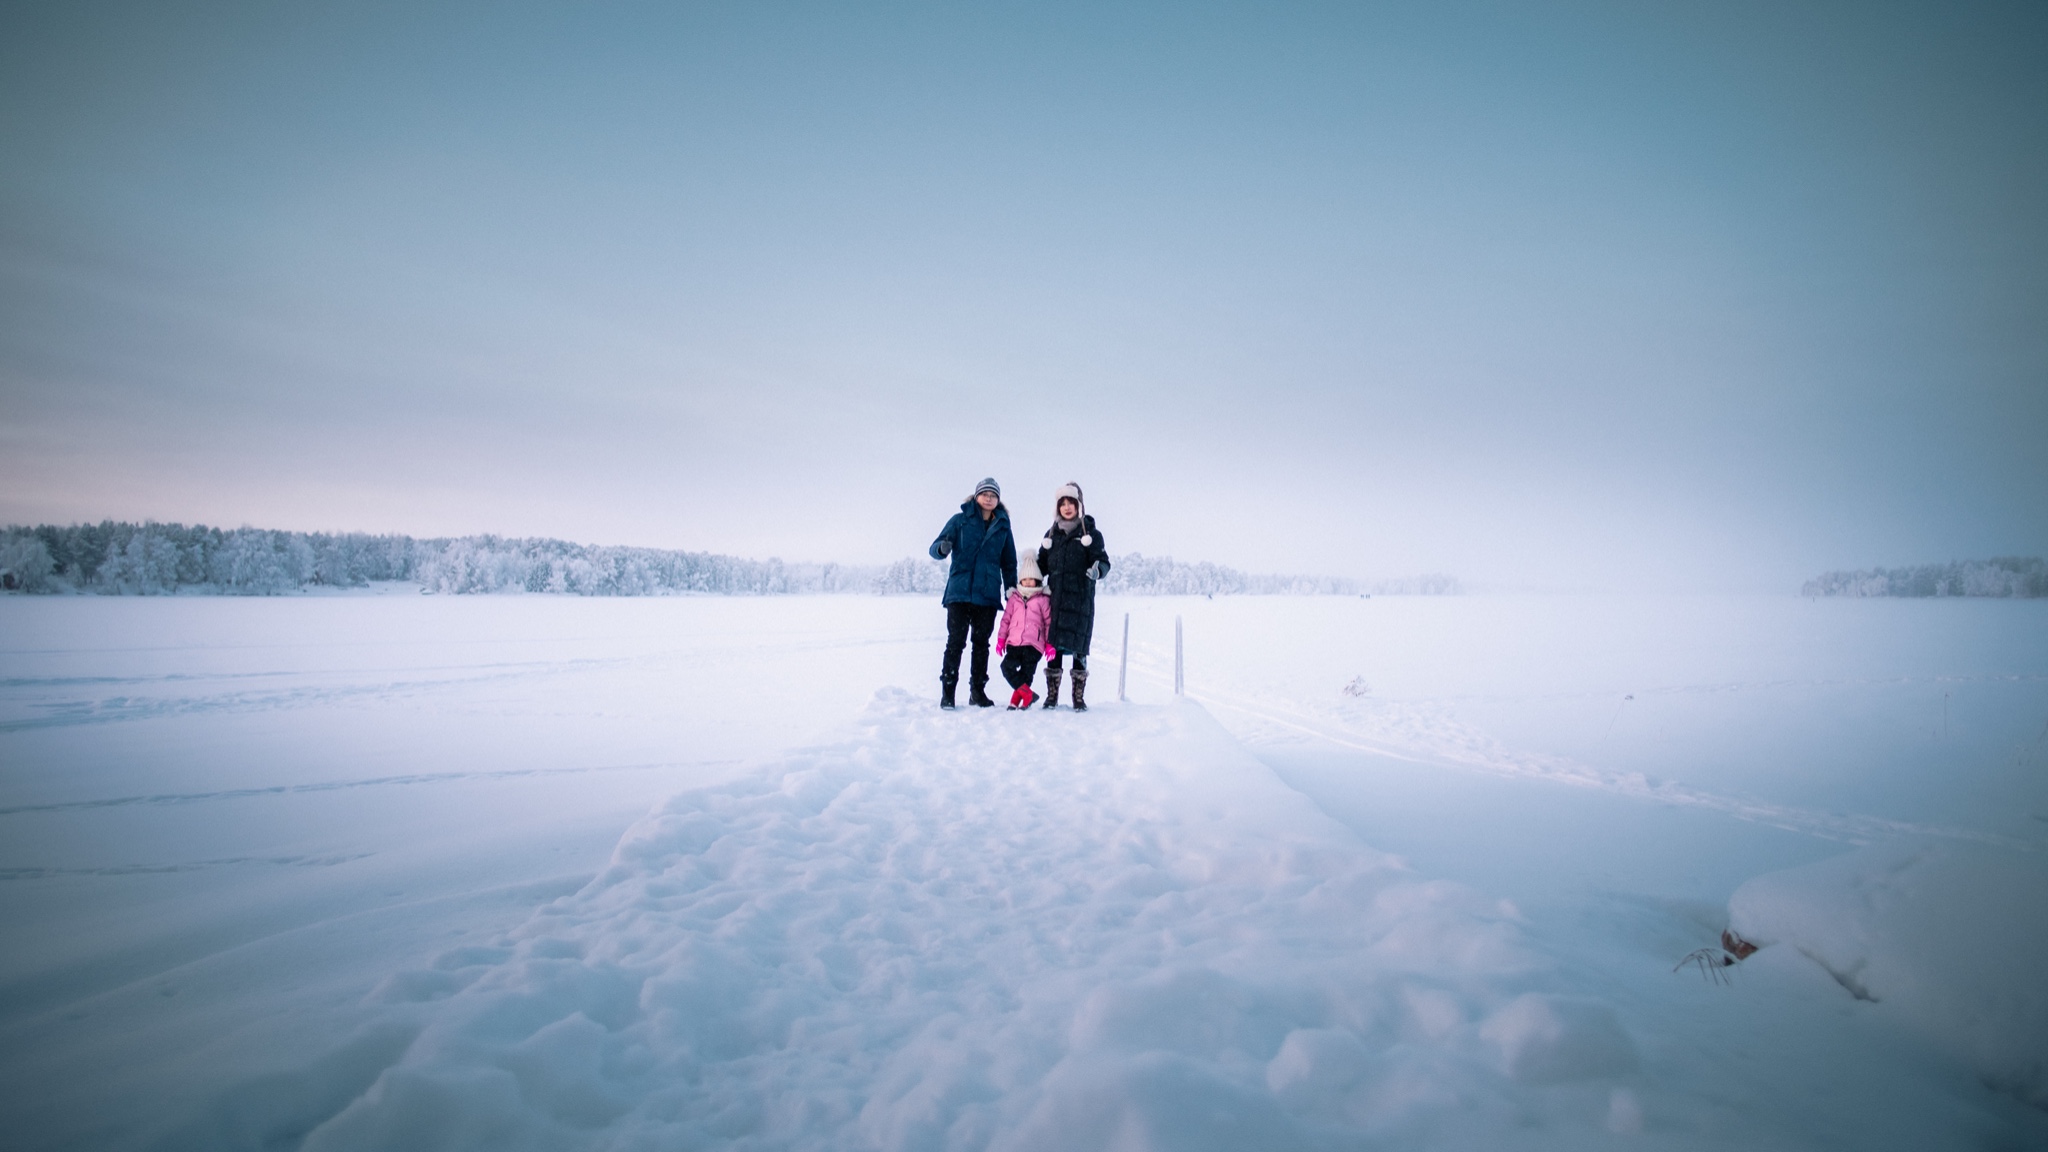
993, 930
1423, 732
408, 780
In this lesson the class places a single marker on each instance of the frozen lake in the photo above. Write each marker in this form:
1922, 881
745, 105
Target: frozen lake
349, 871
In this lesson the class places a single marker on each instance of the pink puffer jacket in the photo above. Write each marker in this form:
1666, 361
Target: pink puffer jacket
1027, 620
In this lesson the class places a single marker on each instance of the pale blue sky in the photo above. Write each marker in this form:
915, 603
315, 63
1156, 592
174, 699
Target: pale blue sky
1571, 295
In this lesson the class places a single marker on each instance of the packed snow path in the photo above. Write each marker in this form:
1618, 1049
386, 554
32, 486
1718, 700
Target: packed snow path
995, 930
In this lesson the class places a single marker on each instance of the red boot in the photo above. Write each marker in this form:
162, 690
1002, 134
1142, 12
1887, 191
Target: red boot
1013, 698
1026, 696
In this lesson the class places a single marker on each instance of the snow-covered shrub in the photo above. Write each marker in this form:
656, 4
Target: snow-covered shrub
25, 564
1947, 938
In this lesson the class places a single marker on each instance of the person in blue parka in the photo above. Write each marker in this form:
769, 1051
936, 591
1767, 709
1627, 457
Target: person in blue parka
984, 570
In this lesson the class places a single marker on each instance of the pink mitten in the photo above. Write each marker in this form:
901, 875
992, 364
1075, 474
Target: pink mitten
1001, 645
1051, 653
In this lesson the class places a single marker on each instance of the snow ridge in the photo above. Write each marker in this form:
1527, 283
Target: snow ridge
1003, 931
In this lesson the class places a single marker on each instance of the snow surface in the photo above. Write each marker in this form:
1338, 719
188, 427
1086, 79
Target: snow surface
379, 871
992, 931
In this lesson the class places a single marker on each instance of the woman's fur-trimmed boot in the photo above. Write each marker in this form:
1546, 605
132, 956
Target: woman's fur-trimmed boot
1080, 686
1052, 685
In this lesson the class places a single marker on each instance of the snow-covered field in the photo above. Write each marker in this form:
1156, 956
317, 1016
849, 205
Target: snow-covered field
393, 871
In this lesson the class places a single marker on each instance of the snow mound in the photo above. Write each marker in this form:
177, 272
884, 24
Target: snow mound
1952, 938
995, 930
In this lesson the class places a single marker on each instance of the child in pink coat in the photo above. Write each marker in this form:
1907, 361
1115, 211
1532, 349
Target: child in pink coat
1025, 632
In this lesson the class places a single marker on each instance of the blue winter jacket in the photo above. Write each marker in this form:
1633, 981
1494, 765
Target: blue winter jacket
984, 556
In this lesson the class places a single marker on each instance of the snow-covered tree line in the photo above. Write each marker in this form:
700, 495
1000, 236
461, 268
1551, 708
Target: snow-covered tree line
153, 559
1998, 576
912, 575
159, 559
1427, 584
1139, 575
485, 564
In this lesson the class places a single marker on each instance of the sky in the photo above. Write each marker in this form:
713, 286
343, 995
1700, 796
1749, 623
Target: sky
1549, 296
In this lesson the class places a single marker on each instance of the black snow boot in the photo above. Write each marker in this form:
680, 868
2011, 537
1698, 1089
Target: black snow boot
1052, 685
979, 698
946, 685
1080, 687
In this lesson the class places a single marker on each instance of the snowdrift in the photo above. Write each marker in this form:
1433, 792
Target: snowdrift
1950, 938
992, 930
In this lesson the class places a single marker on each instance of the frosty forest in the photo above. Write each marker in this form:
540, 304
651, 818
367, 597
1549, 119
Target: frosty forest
161, 559
2000, 576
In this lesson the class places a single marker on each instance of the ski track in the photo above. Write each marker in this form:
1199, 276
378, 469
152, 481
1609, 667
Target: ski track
1734, 686
39, 873
64, 713
344, 785
1420, 733
991, 930
122, 709
515, 667
90, 710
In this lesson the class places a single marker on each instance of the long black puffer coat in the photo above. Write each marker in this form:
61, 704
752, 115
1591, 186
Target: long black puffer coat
1066, 561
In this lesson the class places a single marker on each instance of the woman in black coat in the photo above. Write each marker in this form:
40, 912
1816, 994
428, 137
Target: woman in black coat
1073, 558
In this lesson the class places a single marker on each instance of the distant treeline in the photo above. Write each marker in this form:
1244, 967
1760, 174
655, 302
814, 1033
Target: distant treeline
162, 559
156, 559
1999, 576
1138, 575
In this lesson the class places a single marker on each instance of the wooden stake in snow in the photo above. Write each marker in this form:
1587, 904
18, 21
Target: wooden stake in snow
1616, 716
1179, 685
1123, 659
